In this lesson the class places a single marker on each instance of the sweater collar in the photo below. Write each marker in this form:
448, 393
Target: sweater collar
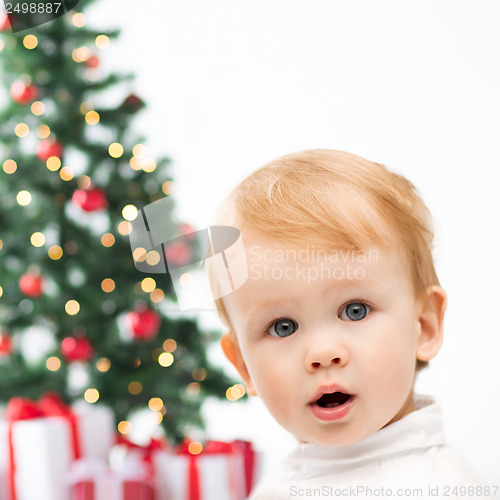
419, 429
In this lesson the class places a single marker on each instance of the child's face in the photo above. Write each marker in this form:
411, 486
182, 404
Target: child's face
308, 324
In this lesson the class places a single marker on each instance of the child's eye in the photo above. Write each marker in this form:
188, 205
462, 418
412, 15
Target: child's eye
282, 328
355, 311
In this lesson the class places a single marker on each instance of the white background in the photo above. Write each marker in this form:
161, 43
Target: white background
414, 85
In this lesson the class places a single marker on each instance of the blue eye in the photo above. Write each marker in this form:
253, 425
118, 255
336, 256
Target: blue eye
355, 311
283, 328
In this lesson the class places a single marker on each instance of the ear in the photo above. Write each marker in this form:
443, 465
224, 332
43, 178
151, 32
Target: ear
431, 323
231, 348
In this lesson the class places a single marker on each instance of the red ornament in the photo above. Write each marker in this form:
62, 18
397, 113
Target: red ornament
47, 148
133, 103
188, 231
23, 93
91, 199
77, 349
144, 323
31, 285
5, 344
92, 62
178, 253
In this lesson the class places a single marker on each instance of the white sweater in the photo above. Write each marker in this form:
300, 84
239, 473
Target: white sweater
406, 459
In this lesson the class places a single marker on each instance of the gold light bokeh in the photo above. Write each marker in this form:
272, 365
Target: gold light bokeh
9, 166
81, 54
79, 20
92, 118
53, 163
115, 150
130, 212
195, 448
55, 252
157, 295
21, 130
165, 359
103, 365
124, 228
124, 427
30, 41
170, 345
91, 395
102, 42
139, 254
37, 239
153, 258
43, 131
135, 388
72, 307
38, 108
148, 284
24, 198
66, 174
108, 285
167, 187
155, 404
53, 364
108, 240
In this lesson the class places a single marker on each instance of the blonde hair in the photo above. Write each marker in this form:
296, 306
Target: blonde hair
334, 199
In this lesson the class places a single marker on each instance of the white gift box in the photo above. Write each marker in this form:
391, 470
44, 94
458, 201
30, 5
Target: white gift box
220, 476
42, 458
96, 429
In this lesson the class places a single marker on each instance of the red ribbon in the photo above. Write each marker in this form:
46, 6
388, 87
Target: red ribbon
49, 405
210, 448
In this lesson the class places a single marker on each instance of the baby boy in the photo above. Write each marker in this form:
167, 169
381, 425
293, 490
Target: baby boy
340, 310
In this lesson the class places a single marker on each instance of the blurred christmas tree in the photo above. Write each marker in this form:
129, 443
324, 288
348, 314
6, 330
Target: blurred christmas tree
76, 316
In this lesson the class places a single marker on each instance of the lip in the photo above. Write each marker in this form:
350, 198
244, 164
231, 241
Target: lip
331, 414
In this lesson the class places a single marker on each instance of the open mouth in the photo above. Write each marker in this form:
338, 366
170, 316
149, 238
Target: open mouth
332, 400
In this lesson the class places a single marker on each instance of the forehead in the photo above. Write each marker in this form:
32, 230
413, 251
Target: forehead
278, 272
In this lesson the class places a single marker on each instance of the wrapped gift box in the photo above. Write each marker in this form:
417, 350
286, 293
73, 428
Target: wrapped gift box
219, 472
39, 441
91, 479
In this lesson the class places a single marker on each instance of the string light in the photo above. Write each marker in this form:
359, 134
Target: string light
79, 20
38, 108
102, 42
165, 359
193, 388
55, 252
72, 307
30, 41
156, 417
235, 392
130, 212
53, 364
53, 163
149, 165
92, 118
21, 130
186, 280
107, 240
1, 291
195, 448
148, 284
155, 404
91, 395
115, 150
24, 198
135, 163
43, 131
139, 150
170, 345
157, 296
81, 54
84, 182
167, 187
124, 427
135, 388
139, 254
108, 285
103, 364
9, 166
66, 174
37, 239
124, 228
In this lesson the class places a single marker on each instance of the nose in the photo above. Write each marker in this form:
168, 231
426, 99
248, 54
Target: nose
326, 351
